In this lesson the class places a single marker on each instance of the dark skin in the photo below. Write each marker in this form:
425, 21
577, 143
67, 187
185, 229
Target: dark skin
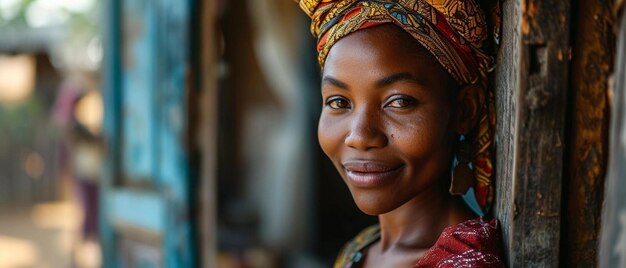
390, 120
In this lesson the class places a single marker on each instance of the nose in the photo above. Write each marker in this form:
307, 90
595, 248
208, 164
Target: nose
366, 131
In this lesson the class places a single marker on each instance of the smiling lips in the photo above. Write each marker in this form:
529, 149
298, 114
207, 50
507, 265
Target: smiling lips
369, 174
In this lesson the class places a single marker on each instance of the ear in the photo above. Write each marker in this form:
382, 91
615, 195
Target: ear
470, 102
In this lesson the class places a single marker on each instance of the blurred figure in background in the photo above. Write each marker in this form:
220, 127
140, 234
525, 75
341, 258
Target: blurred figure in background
49, 145
78, 114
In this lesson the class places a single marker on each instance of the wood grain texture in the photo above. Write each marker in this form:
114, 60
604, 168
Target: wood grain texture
593, 54
539, 164
505, 87
531, 87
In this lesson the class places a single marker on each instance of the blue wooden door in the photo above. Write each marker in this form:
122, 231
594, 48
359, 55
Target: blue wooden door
146, 197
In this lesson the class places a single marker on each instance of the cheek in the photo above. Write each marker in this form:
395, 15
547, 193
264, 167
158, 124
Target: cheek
329, 135
424, 135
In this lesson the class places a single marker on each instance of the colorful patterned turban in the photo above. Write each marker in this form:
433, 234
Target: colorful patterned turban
454, 31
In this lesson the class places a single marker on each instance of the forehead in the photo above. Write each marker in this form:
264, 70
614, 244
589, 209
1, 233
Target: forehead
382, 50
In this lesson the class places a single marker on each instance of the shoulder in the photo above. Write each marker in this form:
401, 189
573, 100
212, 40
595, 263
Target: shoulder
352, 251
474, 243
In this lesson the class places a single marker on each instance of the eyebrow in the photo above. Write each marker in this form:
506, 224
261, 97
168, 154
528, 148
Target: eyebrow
397, 78
394, 78
334, 81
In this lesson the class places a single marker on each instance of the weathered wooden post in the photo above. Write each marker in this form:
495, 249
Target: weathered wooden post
531, 89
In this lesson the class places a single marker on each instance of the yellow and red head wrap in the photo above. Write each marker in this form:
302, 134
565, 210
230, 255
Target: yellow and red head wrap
454, 31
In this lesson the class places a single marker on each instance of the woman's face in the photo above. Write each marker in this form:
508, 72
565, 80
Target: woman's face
388, 121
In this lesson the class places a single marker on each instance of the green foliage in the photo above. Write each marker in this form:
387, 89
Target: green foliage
14, 127
79, 23
19, 21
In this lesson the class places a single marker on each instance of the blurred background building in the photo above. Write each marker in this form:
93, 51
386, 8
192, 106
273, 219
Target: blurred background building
50, 117
182, 133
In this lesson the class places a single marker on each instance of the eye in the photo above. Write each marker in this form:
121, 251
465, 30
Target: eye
401, 102
338, 103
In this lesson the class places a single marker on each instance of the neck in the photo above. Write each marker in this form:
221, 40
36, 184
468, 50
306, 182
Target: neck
418, 223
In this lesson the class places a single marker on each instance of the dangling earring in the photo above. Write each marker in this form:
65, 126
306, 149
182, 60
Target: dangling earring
462, 175
462, 182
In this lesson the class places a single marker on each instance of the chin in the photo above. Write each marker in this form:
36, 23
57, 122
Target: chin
373, 205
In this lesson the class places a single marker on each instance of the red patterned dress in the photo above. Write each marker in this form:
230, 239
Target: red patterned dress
471, 244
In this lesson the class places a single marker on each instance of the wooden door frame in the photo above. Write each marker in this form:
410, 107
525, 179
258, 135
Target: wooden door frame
207, 131
531, 87
111, 85
551, 130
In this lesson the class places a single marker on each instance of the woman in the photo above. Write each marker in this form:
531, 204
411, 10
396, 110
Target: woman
407, 122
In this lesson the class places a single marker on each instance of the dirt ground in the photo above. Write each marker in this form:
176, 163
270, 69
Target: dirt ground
44, 235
